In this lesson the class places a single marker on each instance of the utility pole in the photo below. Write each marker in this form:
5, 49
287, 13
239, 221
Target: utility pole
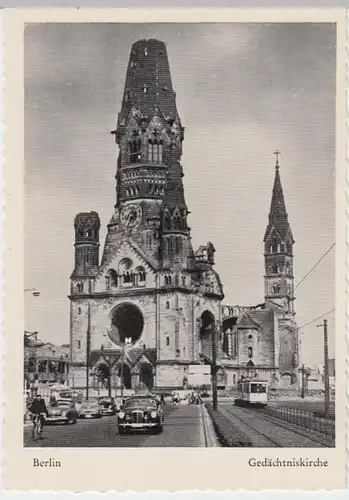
326, 375
303, 382
214, 367
88, 348
327, 380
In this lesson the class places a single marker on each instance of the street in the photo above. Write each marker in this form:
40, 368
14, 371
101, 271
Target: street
183, 426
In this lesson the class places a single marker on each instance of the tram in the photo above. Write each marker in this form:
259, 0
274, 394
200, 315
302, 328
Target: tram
252, 392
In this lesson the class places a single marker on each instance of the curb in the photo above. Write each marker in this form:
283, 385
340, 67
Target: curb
211, 437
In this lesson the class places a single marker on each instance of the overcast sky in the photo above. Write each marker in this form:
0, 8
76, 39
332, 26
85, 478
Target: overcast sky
243, 90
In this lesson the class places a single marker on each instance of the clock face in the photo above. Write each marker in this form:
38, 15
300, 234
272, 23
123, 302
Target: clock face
131, 215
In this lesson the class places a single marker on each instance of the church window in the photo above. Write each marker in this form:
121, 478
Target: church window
135, 150
271, 249
145, 89
250, 352
178, 243
287, 268
184, 351
167, 305
167, 340
183, 321
155, 149
288, 246
166, 222
79, 310
234, 344
113, 278
79, 344
177, 222
275, 268
170, 245
140, 275
183, 280
250, 337
276, 288
107, 282
80, 286
275, 245
279, 248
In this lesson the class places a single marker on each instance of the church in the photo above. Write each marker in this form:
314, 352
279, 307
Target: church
146, 311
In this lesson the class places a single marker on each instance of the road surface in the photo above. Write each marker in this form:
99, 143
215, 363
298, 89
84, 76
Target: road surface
183, 426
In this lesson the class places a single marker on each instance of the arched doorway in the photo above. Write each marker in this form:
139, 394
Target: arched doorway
124, 373
102, 375
127, 322
146, 375
207, 325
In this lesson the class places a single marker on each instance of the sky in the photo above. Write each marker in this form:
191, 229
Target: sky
243, 91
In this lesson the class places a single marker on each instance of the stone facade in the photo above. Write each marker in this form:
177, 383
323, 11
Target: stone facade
148, 310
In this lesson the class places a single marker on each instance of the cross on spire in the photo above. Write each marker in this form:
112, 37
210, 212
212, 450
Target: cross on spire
277, 153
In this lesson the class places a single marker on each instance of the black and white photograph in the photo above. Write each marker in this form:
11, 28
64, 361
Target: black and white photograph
179, 235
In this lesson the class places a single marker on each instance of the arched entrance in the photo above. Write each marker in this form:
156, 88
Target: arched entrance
146, 375
124, 373
207, 325
127, 322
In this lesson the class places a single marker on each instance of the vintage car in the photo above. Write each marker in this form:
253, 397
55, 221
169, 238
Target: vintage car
90, 409
107, 406
62, 411
140, 413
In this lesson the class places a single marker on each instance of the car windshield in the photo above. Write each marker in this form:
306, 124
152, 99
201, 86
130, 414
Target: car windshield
63, 404
89, 405
140, 403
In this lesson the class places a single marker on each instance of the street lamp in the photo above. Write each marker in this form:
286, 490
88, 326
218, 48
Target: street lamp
36, 292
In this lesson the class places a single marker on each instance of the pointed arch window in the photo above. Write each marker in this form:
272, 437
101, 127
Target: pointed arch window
250, 352
288, 246
155, 151
167, 222
178, 243
275, 245
135, 150
177, 222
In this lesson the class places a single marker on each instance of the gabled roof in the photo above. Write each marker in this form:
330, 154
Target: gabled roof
247, 322
135, 248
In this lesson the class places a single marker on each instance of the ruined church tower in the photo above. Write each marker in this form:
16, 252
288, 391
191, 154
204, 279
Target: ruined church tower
146, 311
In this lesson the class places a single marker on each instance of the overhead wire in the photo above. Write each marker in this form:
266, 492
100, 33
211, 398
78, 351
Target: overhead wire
316, 319
315, 265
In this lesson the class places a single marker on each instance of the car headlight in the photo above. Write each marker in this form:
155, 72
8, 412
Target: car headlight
121, 414
153, 414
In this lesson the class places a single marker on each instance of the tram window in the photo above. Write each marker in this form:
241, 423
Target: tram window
258, 388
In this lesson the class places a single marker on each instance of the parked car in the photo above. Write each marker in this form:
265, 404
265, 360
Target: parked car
90, 409
141, 413
107, 406
62, 411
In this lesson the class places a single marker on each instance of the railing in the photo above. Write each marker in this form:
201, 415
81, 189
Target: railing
302, 418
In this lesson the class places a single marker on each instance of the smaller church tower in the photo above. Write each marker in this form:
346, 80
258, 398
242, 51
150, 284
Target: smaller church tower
278, 251
86, 227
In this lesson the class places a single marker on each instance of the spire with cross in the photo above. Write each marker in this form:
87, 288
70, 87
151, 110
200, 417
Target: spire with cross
277, 153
